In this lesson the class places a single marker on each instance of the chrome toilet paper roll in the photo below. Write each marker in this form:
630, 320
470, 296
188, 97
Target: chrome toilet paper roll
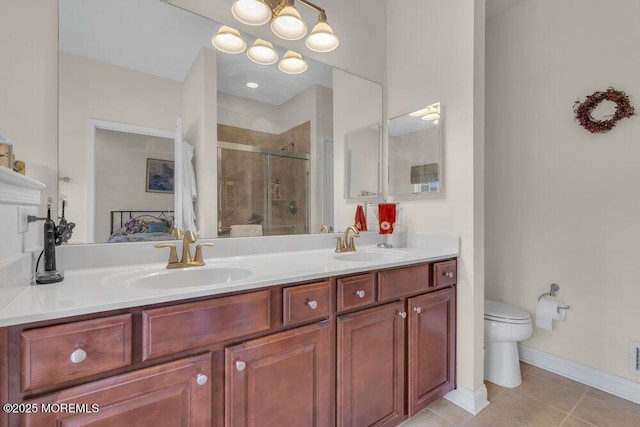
549, 309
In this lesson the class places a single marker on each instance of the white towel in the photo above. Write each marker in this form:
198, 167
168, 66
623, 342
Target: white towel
185, 190
189, 189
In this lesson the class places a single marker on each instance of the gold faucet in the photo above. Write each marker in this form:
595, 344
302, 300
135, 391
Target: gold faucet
324, 228
187, 260
347, 244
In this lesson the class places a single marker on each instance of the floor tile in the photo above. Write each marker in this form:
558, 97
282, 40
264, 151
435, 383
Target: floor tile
493, 390
555, 378
603, 414
450, 411
526, 410
524, 367
575, 422
549, 392
489, 417
616, 401
427, 418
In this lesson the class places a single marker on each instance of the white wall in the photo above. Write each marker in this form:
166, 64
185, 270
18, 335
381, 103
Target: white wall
562, 204
356, 104
91, 89
29, 86
434, 54
200, 119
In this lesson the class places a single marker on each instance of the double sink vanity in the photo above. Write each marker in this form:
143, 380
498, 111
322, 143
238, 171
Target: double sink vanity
305, 337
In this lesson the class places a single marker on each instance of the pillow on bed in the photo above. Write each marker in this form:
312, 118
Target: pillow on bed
157, 227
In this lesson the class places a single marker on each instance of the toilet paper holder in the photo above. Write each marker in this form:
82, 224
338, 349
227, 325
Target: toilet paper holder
552, 293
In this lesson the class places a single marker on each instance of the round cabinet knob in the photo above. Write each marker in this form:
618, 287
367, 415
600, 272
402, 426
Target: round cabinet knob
78, 355
240, 365
360, 294
202, 379
402, 314
417, 310
448, 274
312, 304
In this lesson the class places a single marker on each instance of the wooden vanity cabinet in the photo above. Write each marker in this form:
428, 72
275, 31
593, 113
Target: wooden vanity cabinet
431, 347
280, 380
370, 366
413, 338
370, 348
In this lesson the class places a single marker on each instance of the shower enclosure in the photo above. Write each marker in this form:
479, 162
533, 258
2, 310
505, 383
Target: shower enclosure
264, 187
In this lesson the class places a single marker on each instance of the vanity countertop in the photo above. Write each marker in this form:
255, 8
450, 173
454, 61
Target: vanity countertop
93, 290
107, 287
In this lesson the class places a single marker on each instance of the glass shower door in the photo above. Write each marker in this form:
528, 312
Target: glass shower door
241, 189
287, 206
262, 187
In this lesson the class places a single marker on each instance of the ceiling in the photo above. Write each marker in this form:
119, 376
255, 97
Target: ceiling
160, 39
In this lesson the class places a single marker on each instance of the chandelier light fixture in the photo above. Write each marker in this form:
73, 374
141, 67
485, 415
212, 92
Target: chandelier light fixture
286, 21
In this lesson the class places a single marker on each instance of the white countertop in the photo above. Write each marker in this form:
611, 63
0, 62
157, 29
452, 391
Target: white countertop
94, 290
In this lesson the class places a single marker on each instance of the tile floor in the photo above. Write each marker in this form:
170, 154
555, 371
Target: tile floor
543, 399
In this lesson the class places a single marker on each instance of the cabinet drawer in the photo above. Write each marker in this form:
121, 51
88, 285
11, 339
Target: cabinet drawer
60, 353
404, 281
182, 327
445, 273
177, 393
306, 302
355, 291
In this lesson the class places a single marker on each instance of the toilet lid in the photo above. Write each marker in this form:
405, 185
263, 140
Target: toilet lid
499, 311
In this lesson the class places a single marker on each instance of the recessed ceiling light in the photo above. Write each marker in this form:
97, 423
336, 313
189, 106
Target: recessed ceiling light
252, 85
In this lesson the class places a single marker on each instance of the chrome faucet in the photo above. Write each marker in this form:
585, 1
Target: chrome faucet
347, 244
187, 260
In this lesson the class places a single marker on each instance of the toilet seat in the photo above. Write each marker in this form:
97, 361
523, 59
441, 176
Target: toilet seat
504, 313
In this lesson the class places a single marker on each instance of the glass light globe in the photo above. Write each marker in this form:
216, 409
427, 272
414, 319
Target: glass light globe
292, 63
228, 40
251, 12
288, 24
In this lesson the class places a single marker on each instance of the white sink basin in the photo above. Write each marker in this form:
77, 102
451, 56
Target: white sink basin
372, 255
179, 278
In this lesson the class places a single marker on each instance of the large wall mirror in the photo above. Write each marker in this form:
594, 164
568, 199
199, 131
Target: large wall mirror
138, 78
416, 154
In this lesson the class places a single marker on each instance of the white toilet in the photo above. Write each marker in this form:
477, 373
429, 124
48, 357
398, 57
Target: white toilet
504, 326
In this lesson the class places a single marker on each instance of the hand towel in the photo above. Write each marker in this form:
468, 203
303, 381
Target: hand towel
360, 221
386, 217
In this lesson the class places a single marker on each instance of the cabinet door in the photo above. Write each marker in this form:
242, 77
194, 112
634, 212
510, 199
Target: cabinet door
370, 363
431, 347
175, 394
280, 380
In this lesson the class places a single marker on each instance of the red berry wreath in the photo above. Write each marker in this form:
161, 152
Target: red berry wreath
583, 110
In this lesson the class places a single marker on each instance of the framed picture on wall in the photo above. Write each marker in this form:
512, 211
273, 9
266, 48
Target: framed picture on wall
160, 176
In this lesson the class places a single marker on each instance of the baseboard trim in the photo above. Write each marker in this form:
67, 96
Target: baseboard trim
472, 401
592, 377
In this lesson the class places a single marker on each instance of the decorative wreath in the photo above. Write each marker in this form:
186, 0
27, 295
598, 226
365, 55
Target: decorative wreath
583, 110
